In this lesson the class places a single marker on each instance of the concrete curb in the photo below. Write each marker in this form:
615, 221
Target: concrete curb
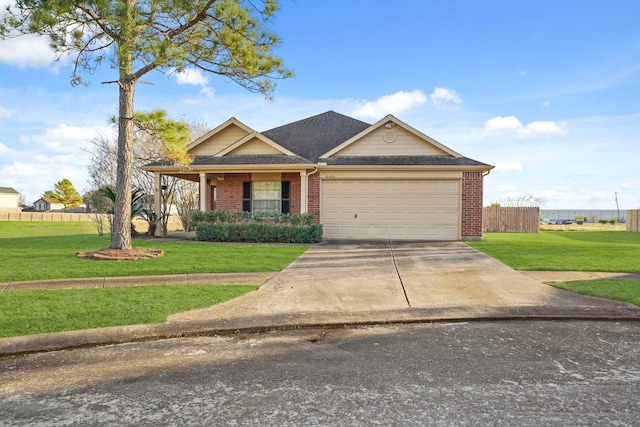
17, 346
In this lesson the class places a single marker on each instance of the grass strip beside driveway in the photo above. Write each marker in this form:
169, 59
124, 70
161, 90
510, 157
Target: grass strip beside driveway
615, 289
47, 250
36, 312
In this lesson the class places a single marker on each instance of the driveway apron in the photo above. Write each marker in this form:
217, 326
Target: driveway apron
401, 281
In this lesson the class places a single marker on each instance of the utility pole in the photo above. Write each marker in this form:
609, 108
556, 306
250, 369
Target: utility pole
617, 206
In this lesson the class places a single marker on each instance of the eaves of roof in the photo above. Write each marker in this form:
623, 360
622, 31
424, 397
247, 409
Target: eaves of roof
248, 160
8, 190
404, 161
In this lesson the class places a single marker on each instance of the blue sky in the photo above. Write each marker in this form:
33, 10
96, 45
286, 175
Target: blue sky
547, 91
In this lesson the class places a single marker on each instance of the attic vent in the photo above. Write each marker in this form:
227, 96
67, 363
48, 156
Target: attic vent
389, 136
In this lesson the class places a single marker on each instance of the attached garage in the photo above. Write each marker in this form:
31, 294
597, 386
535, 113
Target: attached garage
420, 209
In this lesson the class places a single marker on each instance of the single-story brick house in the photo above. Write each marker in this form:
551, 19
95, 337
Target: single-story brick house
385, 180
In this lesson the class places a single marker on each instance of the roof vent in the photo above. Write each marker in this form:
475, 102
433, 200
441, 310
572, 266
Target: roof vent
389, 136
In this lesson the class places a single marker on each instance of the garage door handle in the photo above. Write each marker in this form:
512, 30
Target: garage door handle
356, 216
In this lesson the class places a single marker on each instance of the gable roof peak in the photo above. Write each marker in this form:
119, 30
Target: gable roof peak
315, 135
390, 121
226, 124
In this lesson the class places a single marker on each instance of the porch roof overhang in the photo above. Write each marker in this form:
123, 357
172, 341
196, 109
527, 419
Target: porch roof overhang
231, 163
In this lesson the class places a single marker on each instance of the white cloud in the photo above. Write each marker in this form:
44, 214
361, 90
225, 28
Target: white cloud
508, 167
540, 129
507, 188
4, 113
194, 77
40, 172
443, 96
391, 104
41, 160
191, 77
631, 185
502, 123
533, 129
26, 51
66, 139
4, 150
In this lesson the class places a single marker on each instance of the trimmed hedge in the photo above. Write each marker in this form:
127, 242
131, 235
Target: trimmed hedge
247, 217
222, 226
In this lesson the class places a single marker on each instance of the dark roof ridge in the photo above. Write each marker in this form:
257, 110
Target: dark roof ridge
315, 135
316, 116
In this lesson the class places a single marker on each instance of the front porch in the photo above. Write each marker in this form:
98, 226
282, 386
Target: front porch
249, 191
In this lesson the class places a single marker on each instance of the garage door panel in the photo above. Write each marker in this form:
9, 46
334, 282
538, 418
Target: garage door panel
421, 209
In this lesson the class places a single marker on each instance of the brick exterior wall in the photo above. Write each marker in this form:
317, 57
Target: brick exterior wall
314, 197
294, 178
229, 191
471, 206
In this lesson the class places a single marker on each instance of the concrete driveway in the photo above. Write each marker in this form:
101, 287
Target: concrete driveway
371, 282
336, 284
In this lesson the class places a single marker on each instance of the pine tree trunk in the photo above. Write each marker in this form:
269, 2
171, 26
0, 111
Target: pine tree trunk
121, 233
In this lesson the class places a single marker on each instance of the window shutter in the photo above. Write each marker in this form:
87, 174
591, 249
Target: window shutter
246, 196
286, 197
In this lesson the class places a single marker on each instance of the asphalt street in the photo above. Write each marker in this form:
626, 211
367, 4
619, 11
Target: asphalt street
511, 373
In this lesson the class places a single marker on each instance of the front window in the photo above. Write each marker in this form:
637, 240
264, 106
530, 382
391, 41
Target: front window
266, 197
270, 197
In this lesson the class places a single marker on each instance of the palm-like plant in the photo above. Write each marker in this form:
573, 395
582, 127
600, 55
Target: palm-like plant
137, 208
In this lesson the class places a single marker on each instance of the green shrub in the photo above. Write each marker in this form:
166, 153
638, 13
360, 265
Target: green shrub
258, 232
227, 217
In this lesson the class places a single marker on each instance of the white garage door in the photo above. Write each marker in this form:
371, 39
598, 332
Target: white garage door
404, 210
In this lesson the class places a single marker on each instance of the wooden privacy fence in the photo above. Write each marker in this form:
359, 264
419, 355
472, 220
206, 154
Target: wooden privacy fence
511, 220
46, 216
633, 221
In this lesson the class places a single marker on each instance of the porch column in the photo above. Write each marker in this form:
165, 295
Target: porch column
203, 191
304, 200
157, 199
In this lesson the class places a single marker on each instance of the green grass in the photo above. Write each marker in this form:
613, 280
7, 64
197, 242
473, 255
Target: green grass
35, 312
47, 250
612, 251
616, 289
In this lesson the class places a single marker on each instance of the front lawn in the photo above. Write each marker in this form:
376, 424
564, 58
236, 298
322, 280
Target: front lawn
47, 250
36, 312
608, 251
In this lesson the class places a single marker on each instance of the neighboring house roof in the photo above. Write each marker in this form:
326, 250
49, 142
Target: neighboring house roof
8, 190
51, 201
